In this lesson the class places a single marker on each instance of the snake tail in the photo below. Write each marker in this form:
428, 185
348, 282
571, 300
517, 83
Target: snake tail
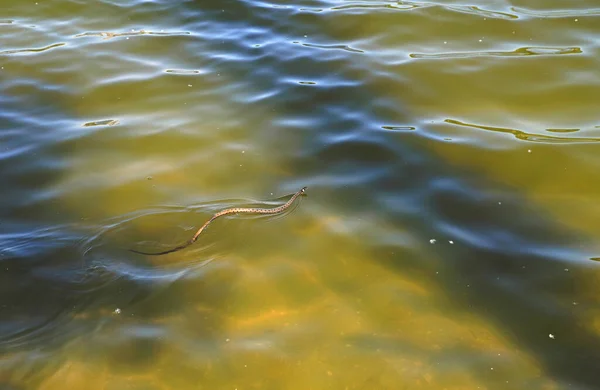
234, 210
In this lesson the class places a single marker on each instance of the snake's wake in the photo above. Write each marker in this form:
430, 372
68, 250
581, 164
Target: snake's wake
234, 210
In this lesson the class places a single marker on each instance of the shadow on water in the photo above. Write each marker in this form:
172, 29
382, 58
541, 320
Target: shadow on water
32, 301
507, 265
508, 262
60, 287
522, 275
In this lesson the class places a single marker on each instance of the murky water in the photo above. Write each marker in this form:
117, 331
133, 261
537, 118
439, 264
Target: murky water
449, 239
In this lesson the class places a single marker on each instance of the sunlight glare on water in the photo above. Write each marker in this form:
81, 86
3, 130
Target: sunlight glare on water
448, 239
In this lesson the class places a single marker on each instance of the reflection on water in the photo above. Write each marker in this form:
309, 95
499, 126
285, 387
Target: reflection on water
447, 241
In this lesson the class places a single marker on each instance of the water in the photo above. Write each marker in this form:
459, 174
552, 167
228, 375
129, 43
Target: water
449, 236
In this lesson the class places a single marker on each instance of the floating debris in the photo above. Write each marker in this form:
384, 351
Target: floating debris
108, 35
106, 122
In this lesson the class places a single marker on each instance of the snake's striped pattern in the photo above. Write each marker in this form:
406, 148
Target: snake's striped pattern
234, 210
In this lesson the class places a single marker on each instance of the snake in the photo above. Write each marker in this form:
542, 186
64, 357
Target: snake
234, 210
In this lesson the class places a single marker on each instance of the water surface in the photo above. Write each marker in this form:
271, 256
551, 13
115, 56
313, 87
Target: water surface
450, 234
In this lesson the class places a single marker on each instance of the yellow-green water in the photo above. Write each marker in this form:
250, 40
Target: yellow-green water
449, 239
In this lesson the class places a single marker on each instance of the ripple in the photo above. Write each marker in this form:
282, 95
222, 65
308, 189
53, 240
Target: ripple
520, 52
325, 82
399, 128
28, 242
525, 136
7, 153
32, 51
109, 35
332, 47
558, 13
34, 330
395, 6
228, 104
185, 71
481, 12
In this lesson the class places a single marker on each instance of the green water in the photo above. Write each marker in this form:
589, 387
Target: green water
449, 239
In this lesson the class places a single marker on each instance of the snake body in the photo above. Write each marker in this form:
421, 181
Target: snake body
234, 210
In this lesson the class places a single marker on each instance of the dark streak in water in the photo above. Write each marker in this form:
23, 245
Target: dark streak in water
522, 135
563, 130
29, 51
410, 128
523, 51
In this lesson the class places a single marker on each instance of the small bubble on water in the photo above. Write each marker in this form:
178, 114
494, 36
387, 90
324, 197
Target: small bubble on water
117, 311
432, 241
451, 242
551, 336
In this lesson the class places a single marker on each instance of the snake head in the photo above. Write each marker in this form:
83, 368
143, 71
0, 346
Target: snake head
303, 191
